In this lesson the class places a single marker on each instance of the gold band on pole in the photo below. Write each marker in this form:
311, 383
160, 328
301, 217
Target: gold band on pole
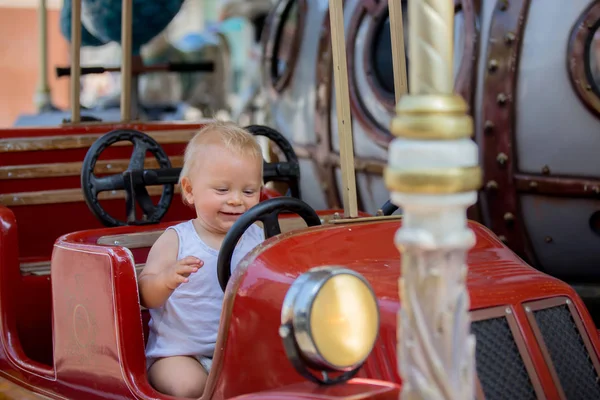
432, 117
434, 181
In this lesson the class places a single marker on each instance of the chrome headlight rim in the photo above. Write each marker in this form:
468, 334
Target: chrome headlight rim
296, 332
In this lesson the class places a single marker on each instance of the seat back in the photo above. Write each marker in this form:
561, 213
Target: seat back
97, 322
40, 179
25, 307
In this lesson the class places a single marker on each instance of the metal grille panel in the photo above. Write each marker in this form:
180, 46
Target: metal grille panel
570, 357
500, 367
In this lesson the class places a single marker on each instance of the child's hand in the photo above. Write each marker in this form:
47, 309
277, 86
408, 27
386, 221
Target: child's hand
179, 272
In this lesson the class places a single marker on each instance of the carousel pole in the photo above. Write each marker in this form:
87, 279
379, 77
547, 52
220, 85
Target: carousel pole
342, 101
42, 96
433, 174
126, 48
75, 60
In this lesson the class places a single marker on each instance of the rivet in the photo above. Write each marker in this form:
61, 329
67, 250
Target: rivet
596, 189
15, 198
488, 127
10, 174
284, 331
568, 301
527, 309
533, 184
546, 170
493, 65
491, 185
548, 239
509, 38
501, 99
508, 310
379, 213
503, 239
501, 158
336, 215
509, 217
588, 87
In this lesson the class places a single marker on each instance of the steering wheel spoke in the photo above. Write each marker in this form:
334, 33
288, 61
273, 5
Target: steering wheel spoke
144, 200
106, 183
138, 155
130, 209
271, 224
137, 194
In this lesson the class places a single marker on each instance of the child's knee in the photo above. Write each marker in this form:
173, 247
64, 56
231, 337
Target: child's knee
189, 386
178, 376
186, 387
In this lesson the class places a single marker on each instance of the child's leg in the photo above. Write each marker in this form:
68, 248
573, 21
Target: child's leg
179, 376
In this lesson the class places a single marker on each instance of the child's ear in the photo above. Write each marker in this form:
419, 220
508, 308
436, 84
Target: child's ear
186, 188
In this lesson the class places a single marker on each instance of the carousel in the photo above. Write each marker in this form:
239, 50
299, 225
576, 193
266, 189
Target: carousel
374, 281
533, 93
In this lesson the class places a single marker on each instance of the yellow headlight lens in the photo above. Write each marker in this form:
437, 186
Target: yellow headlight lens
344, 320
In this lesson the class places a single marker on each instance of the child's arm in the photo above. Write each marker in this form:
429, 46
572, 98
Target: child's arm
163, 273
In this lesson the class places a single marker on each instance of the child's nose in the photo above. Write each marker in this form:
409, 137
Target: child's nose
235, 199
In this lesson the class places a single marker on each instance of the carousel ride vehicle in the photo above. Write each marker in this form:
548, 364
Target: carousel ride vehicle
533, 94
322, 309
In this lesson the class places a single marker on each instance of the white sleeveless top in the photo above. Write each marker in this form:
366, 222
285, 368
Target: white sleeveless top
188, 322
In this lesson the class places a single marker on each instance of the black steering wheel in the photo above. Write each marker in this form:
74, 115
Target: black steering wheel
267, 212
133, 180
288, 171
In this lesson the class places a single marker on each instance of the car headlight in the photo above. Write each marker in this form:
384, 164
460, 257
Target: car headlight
329, 322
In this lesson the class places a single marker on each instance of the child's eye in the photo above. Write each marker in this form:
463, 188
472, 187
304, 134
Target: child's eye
221, 190
249, 192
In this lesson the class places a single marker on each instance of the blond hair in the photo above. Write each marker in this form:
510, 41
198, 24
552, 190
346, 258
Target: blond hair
232, 137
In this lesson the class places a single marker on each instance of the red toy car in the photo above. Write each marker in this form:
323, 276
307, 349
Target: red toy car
312, 313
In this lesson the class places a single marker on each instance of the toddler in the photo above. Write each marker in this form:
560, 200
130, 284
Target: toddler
221, 179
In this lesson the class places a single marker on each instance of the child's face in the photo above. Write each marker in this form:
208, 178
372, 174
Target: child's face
222, 186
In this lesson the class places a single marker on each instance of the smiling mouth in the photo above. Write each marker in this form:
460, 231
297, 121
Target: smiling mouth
231, 214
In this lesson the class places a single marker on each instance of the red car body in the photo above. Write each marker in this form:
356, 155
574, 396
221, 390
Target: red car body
79, 332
